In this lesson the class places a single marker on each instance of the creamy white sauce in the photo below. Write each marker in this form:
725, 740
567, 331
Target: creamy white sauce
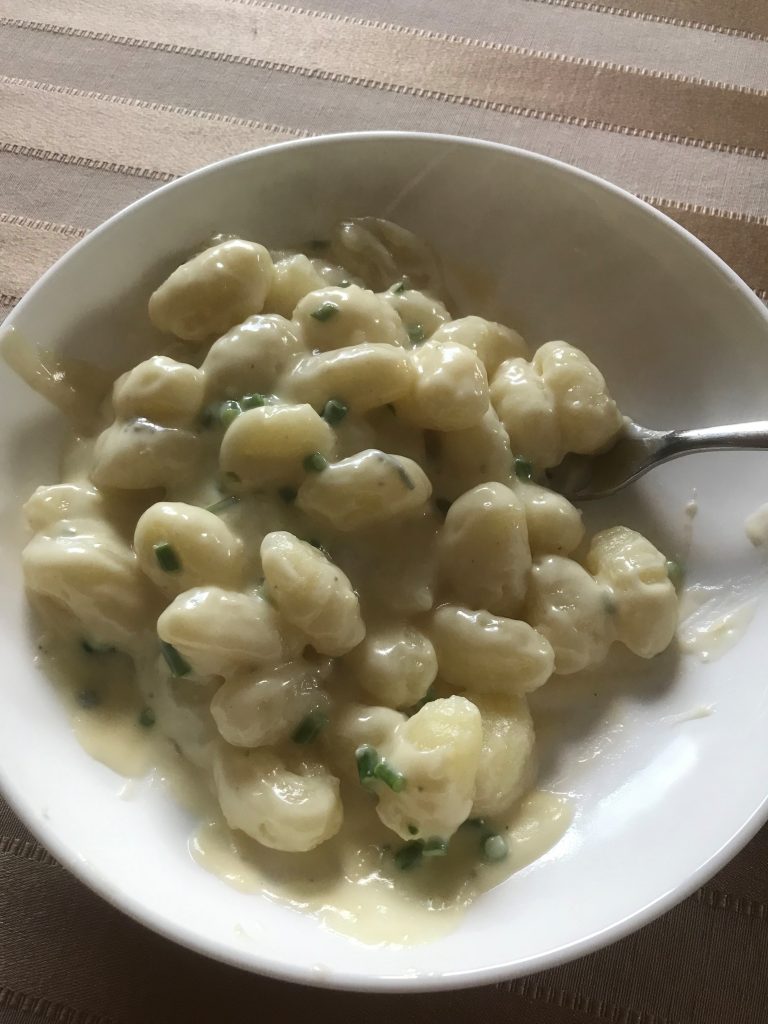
713, 620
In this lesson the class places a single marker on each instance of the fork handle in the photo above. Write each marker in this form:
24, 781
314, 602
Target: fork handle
733, 437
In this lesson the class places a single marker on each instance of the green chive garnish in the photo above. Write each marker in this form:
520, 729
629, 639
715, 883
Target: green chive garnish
399, 469
435, 847
310, 727
675, 573
91, 647
413, 830
334, 411
523, 469
401, 285
495, 848
315, 463
254, 401
416, 333
146, 718
288, 494
442, 505
367, 758
88, 698
410, 855
229, 412
178, 665
385, 773
167, 558
325, 311
221, 506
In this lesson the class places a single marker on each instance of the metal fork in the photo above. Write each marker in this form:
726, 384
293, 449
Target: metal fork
638, 449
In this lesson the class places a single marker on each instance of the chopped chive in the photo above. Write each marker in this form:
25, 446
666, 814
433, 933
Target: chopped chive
367, 758
146, 718
221, 506
495, 847
254, 401
442, 505
178, 665
324, 312
334, 411
288, 494
166, 557
91, 647
401, 285
523, 468
416, 333
410, 855
229, 411
413, 830
435, 847
88, 698
675, 573
310, 727
315, 463
385, 773
428, 697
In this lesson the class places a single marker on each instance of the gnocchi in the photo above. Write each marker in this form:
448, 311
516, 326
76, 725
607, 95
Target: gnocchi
325, 548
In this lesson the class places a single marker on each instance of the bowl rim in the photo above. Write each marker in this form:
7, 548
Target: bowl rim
277, 968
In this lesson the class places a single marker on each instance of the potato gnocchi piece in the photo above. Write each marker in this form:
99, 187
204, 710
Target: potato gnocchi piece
526, 407
251, 357
451, 388
312, 593
84, 566
140, 455
462, 459
483, 549
492, 343
363, 377
220, 632
284, 809
484, 653
420, 314
160, 390
507, 765
568, 607
267, 446
213, 291
261, 708
586, 413
334, 318
554, 525
293, 278
369, 488
180, 547
356, 725
49, 504
396, 665
381, 253
437, 751
636, 572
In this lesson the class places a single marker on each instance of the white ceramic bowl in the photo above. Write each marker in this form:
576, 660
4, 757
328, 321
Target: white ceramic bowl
662, 800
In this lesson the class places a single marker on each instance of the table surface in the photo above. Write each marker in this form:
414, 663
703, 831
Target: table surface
101, 101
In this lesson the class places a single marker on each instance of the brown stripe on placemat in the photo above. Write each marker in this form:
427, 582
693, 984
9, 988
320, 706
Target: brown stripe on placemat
741, 241
29, 849
746, 18
121, 134
28, 247
476, 74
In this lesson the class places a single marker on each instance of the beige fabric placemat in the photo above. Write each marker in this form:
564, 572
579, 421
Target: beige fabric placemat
102, 101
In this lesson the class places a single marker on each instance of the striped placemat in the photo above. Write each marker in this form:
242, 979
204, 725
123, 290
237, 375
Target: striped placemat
102, 101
